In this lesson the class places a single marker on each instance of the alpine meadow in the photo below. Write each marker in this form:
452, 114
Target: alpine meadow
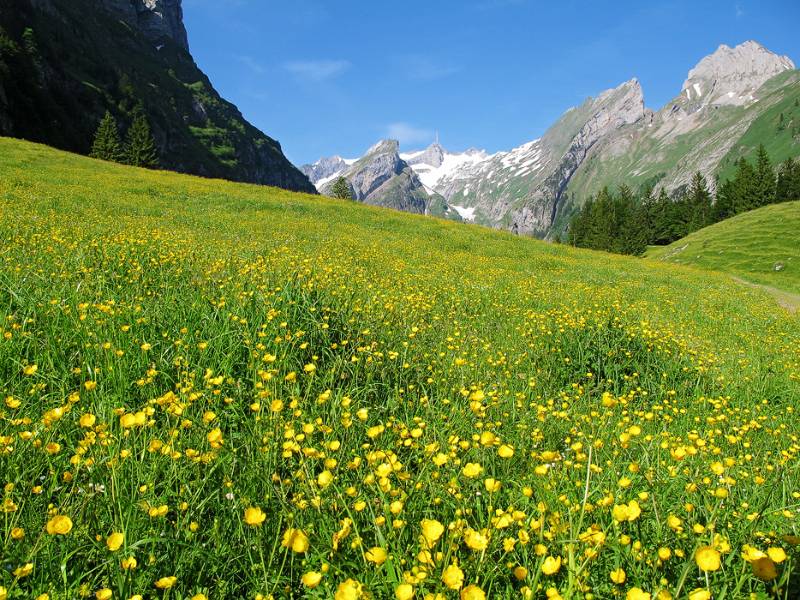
367, 379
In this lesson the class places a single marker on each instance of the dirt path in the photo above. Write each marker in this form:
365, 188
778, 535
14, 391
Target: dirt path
787, 300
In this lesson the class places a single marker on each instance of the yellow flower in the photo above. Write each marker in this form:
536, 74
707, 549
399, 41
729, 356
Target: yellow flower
215, 438
30, 369
453, 577
776, 554
491, 484
104, 594
505, 451
707, 558
404, 591
17, 533
59, 525
310, 368
475, 540
626, 512
295, 540
618, 576
551, 565
166, 582
432, 530
324, 479
23, 571
115, 541
472, 470
472, 592
199, 597
637, 594
376, 555
311, 579
520, 573
254, 516
764, 568
128, 563
700, 594
349, 589
90, 385
87, 420
3, 593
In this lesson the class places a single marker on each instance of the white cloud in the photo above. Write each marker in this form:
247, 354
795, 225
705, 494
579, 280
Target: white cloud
408, 134
317, 70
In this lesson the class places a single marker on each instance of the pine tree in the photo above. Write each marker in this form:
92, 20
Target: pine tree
341, 189
725, 206
700, 203
788, 186
106, 145
764, 186
140, 148
745, 188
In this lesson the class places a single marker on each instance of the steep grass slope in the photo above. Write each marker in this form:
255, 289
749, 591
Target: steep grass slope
215, 390
762, 246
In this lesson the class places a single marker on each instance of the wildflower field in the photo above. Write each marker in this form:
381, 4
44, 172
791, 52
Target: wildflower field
212, 390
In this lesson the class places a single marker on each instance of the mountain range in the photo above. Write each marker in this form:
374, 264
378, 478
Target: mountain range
730, 102
64, 63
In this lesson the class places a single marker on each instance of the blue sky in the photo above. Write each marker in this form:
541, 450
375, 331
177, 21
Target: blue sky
328, 78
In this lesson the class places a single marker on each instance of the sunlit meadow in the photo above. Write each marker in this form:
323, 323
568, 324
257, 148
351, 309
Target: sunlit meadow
212, 390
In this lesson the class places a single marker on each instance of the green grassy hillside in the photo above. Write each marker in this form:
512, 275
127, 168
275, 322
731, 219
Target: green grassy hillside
216, 390
762, 246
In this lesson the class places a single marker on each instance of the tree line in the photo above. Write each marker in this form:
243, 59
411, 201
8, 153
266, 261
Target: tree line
626, 222
138, 149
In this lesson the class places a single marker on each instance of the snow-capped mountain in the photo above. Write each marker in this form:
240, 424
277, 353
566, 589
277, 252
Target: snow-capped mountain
607, 140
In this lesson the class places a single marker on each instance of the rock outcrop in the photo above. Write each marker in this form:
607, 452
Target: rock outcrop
732, 75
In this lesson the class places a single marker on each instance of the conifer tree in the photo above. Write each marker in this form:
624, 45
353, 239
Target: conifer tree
106, 145
140, 148
341, 189
700, 202
745, 189
764, 185
788, 186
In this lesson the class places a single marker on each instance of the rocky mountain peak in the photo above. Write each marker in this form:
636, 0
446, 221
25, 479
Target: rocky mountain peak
732, 75
158, 20
433, 156
385, 147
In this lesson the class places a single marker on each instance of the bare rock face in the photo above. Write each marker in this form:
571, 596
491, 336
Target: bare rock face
159, 20
324, 169
732, 75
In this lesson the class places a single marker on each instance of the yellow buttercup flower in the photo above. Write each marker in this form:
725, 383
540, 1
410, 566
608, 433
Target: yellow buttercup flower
551, 565
404, 591
636, 593
349, 589
472, 592
295, 540
254, 516
104, 594
707, 559
700, 594
59, 525
311, 579
472, 470
432, 530
453, 577
376, 555
618, 576
114, 541
166, 582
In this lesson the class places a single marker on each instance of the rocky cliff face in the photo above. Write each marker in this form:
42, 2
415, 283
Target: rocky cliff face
696, 131
324, 169
731, 76
89, 56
